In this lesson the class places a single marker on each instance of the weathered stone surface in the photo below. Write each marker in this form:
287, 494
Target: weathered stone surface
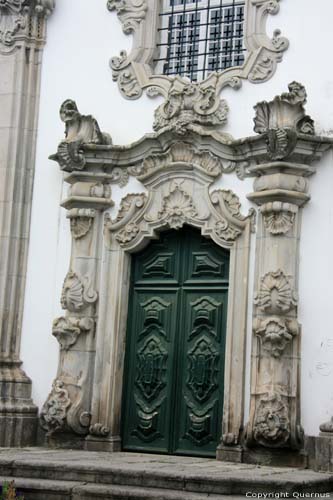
22, 37
135, 475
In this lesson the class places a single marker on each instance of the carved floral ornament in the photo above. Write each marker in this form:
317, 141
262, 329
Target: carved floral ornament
196, 102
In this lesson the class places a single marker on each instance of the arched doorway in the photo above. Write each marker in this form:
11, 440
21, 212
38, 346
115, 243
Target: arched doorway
175, 348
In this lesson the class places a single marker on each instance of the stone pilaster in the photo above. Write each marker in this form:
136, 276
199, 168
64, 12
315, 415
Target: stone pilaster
66, 414
22, 37
274, 431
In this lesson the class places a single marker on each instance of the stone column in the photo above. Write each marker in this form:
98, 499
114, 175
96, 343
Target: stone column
66, 414
274, 432
22, 37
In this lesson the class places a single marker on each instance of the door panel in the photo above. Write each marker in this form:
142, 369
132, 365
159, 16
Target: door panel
173, 391
150, 362
201, 371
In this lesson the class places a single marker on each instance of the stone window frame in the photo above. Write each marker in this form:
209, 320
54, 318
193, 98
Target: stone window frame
134, 72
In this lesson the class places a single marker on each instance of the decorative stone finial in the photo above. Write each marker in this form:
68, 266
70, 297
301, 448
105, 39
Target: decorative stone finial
44, 7
282, 119
80, 130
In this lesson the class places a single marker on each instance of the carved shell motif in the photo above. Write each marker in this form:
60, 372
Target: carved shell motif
72, 293
177, 207
77, 294
275, 333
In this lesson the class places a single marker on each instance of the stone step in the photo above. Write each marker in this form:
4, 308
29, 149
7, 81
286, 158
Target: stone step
41, 489
143, 472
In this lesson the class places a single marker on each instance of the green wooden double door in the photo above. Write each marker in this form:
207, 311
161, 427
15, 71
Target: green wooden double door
174, 367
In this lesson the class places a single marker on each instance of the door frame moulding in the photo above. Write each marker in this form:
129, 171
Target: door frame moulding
178, 194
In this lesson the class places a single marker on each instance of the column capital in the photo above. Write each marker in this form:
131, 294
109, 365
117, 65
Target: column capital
23, 20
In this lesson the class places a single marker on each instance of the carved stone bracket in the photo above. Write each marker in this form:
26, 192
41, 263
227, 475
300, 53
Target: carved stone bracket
195, 104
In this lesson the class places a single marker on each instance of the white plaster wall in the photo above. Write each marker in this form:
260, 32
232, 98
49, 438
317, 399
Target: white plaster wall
82, 36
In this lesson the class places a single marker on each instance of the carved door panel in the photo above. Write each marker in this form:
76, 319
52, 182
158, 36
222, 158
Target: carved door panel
173, 392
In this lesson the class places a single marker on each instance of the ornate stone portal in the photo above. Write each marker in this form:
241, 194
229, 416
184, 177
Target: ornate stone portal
177, 170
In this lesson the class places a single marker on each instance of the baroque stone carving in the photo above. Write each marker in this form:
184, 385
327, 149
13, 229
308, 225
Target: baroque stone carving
67, 330
278, 216
196, 104
99, 430
177, 207
81, 220
275, 333
130, 12
281, 120
327, 427
275, 293
54, 412
14, 18
230, 205
127, 234
272, 425
77, 294
190, 107
80, 130
225, 231
180, 153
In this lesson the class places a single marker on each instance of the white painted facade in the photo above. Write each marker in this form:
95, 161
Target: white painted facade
81, 40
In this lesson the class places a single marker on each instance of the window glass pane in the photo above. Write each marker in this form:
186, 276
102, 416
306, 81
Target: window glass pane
198, 37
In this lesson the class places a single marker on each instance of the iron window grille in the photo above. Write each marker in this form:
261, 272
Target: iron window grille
198, 37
